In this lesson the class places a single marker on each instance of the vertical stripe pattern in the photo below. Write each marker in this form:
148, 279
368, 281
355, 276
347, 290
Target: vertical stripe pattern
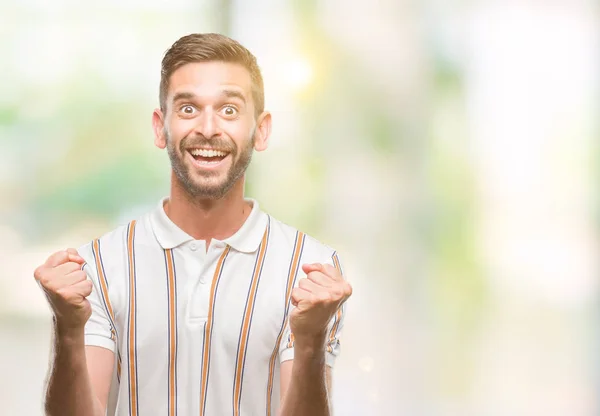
172, 303
338, 314
131, 325
119, 366
208, 330
246, 324
104, 287
292, 273
96, 251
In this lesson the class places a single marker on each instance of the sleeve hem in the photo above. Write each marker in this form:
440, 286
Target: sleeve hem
288, 354
100, 341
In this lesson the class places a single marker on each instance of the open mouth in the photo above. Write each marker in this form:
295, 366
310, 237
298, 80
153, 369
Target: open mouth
208, 157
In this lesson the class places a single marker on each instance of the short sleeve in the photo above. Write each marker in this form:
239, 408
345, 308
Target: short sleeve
99, 329
334, 330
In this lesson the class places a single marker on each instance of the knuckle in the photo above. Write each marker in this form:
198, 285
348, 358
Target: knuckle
62, 293
38, 273
88, 287
348, 289
66, 295
323, 298
62, 255
46, 280
80, 276
337, 293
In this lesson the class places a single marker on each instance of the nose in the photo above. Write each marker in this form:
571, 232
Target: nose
208, 125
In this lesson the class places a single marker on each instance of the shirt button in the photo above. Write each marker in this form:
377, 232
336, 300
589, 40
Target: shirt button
193, 246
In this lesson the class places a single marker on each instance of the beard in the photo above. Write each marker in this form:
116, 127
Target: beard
208, 185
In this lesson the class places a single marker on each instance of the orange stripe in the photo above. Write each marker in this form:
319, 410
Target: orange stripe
131, 362
104, 287
288, 295
241, 356
207, 331
119, 368
338, 314
172, 333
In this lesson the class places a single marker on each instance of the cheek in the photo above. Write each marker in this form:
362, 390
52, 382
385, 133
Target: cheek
240, 133
179, 130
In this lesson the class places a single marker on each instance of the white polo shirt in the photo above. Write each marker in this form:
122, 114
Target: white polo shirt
198, 332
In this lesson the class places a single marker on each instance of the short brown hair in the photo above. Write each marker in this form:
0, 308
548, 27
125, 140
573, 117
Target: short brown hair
205, 47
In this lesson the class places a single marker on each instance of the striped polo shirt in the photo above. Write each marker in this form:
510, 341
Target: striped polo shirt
198, 332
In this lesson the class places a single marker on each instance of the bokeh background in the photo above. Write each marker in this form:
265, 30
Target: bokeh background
448, 149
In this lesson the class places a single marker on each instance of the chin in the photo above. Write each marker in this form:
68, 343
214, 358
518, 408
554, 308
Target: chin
215, 192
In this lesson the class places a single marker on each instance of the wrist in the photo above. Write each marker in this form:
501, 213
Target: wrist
310, 347
66, 332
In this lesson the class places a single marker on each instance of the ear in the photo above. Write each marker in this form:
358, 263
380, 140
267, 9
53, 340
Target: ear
158, 125
263, 132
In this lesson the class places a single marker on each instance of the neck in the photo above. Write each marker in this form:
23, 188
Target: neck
205, 219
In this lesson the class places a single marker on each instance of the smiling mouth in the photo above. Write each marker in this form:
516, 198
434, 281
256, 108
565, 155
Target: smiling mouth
208, 156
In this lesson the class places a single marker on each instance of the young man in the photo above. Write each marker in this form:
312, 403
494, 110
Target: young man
206, 305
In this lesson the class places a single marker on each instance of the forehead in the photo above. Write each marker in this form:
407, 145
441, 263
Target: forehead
208, 78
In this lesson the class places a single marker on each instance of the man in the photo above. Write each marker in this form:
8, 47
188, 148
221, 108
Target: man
206, 305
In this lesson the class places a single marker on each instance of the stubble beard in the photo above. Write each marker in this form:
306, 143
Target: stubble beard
200, 188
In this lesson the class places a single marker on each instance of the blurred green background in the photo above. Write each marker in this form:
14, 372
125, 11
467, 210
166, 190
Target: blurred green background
447, 149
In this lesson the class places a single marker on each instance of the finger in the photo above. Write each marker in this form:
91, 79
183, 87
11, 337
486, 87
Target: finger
77, 259
312, 267
298, 295
76, 293
52, 277
320, 279
75, 277
57, 259
337, 292
313, 288
66, 268
54, 280
332, 271
74, 256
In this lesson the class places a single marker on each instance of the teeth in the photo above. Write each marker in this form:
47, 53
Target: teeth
207, 153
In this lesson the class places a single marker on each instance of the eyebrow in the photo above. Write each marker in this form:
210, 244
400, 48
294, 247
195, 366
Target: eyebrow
234, 94
229, 93
183, 96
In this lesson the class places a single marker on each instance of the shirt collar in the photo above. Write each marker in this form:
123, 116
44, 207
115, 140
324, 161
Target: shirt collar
247, 239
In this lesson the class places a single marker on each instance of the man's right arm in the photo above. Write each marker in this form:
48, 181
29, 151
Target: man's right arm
80, 377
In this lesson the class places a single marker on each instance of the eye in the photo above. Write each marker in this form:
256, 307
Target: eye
187, 109
229, 111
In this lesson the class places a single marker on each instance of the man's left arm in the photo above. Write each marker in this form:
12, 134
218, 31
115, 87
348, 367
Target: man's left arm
314, 323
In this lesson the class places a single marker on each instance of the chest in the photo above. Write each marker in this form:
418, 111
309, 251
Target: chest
236, 296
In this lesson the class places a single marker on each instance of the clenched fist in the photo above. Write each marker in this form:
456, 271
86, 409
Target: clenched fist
316, 299
66, 287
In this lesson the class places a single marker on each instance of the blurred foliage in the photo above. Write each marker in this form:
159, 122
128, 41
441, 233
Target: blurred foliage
92, 167
441, 217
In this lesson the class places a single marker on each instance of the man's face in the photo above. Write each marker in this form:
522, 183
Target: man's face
209, 127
